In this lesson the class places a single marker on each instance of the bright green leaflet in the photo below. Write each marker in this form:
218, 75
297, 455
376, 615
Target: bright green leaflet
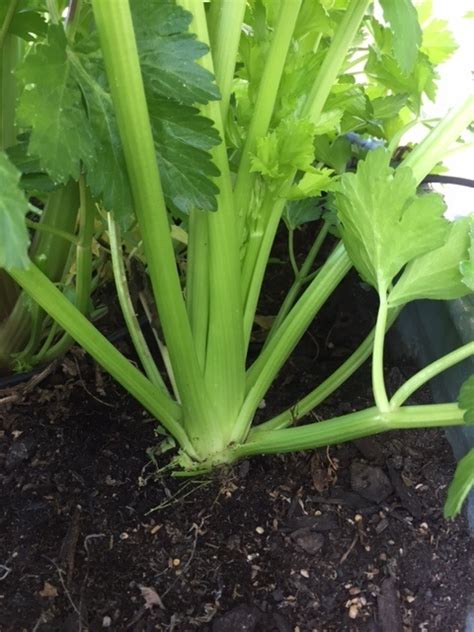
461, 485
403, 19
51, 104
384, 223
435, 275
14, 239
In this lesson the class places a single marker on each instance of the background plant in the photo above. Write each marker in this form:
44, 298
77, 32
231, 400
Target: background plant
197, 157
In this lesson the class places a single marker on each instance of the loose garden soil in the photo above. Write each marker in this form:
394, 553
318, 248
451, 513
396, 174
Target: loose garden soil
93, 536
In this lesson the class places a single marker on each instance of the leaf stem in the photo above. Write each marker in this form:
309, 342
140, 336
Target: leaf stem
128, 310
378, 382
429, 372
225, 26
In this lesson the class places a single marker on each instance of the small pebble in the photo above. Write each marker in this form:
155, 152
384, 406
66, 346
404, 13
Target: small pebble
106, 622
260, 530
304, 573
353, 612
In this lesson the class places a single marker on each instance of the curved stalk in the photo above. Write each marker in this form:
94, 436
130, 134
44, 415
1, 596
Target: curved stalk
128, 310
429, 372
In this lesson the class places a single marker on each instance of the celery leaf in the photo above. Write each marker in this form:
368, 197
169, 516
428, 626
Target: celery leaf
51, 105
168, 53
287, 148
436, 275
466, 400
14, 238
183, 139
438, 41
467, 266
460, 486
384, 223
403, 19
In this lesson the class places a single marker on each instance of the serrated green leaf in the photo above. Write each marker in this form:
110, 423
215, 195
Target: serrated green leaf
435, 275
313, 183
467, 266
384, 69
106, 172
168, 53
28, 24
285, 149
301, 212
466, 400
329, 121
183, 140
403, 19
51, 105
438, 41
460, 486
388, 107
14, 240
384, 224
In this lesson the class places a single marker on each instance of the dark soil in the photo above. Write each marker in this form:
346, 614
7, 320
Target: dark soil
93, 537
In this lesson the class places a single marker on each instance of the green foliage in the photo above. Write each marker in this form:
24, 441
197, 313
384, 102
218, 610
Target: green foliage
385, 224
467, 266
13, 208
51, 105
436, 275
461, 485
403, 20
288, 147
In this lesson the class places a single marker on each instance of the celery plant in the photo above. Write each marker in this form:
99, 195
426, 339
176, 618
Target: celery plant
219, 147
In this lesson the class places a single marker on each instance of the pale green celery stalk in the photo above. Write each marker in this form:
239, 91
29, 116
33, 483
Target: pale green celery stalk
257, 255
429, 372
197, 281
326, 388
52, 230
10, 12
265, 103
300, 279
435, 146
50, 252
291, 251
327, 76
225, 26
43, 291
126, 305
335, 58
349, 427
378, 382
225, 354
263, 371
83, 260
115, 28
